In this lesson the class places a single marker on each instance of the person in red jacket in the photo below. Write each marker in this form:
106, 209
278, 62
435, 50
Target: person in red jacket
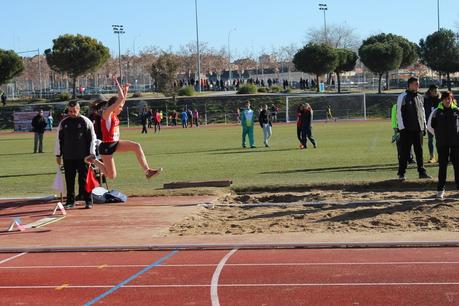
157, 121
111, 142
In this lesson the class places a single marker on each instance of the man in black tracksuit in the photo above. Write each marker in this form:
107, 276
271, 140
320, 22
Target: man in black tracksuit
444, 124
411, 124
75, 140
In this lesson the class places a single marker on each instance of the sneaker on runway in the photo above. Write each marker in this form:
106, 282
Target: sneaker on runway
440, 195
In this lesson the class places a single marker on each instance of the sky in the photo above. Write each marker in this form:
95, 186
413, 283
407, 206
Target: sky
255, 25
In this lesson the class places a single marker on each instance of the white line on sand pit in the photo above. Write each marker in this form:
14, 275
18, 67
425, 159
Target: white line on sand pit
216, 276
12, 257
243, 285
389, 263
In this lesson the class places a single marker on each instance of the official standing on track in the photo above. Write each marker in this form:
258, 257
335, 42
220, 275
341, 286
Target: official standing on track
444, 124
75, 140
411, 124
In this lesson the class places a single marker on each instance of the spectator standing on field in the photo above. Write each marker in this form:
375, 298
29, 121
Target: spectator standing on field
444, 124
298, 124
50, 121
174, 118
3, 98
265, 122
189, 113
411, 123
247, 122
431, 102
75, 140
144, 120
157, 121
306, 117
184, 119
196, 117
38, 127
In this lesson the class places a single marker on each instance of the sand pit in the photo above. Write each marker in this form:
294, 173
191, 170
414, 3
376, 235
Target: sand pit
349, 208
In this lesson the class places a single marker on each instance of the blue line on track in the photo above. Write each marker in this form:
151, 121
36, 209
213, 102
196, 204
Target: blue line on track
127, 280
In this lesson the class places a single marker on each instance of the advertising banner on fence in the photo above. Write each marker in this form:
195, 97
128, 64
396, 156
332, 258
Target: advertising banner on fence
23, 120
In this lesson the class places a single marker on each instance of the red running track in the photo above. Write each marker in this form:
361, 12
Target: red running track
406, 276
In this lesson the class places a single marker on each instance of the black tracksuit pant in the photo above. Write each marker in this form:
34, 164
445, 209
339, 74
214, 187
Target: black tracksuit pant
71, 167
306, 133
408, 139
445, 154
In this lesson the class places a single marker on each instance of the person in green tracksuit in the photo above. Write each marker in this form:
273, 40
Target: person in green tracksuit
247, 122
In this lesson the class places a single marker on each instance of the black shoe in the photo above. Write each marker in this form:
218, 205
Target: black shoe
69, 205
244, 146
252, 147
88, 205
424, 175
401, 177
411, 161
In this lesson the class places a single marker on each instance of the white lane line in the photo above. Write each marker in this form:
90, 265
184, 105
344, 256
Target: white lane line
216, 276
243, 285
12, 257
395, 263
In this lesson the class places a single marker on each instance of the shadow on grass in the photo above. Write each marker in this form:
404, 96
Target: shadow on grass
26, 175
249, 150
366, 168
16, 154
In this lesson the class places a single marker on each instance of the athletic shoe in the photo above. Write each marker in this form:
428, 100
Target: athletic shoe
315, 146
266, 145
440, 195
88, 205
432, 160
152, 172
411, 161
424, 175
244, 146
252, 147
69, 205
89, 159
401, 177
301, 147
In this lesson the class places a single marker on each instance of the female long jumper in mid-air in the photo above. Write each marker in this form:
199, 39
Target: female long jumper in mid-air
111, 143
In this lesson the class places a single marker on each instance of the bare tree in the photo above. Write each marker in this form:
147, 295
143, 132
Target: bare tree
337, 36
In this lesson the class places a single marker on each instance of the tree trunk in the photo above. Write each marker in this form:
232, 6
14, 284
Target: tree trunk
74, 88
379, 85
447, 80
338, 79
318, 84
387, 80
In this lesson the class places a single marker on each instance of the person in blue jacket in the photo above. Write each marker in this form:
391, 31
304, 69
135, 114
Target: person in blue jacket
184, 119
247, 123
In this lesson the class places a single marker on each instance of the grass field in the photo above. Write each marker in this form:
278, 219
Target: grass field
347, 151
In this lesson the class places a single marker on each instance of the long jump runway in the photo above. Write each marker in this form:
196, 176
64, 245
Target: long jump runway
403, 276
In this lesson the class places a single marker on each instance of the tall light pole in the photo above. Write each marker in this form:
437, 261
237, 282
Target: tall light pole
229, 57
323, 7
39, 67
197, 46
133, 62
118, 29
438, 15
